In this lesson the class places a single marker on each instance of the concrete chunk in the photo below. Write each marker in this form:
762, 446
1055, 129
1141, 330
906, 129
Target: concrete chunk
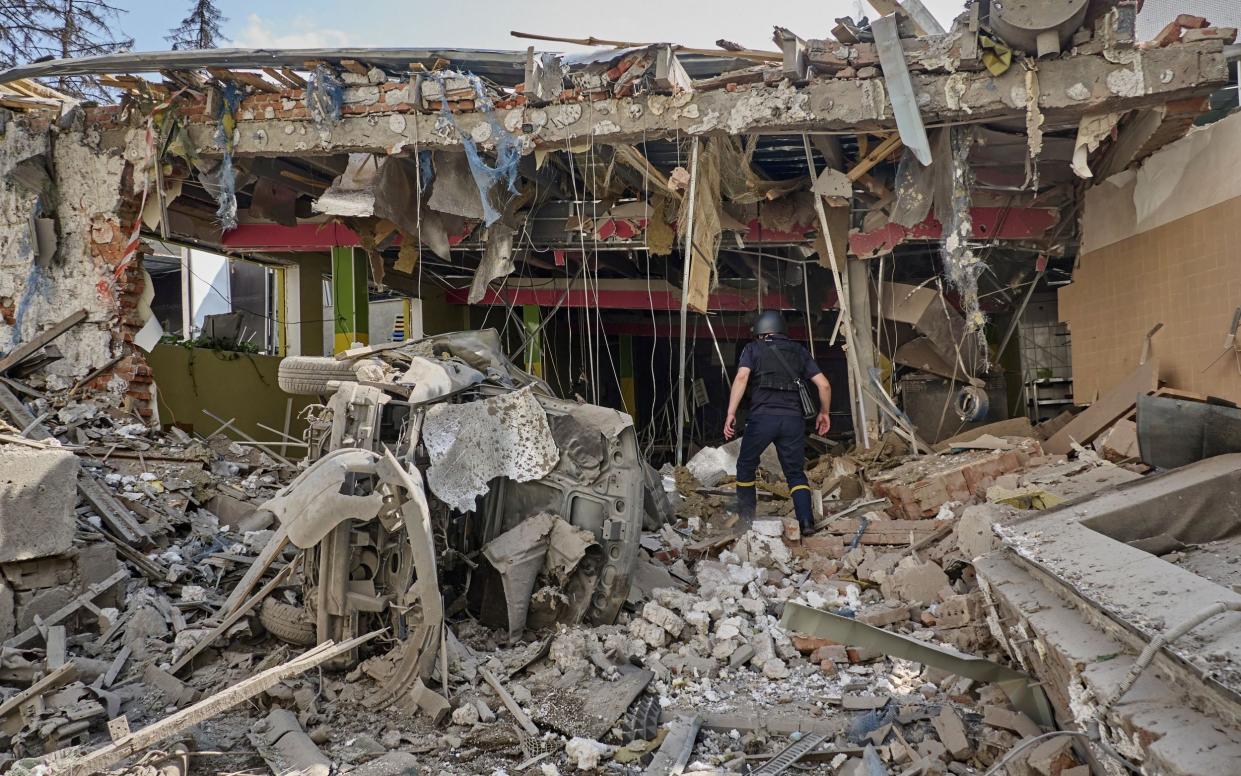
915, 583
38, 492
951, 732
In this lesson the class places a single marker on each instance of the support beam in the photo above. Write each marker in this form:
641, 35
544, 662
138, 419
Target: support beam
350, 305
856, 379
988, 223
861, 336
302, 309
688, 254
532, 318
616, 294
1069, 86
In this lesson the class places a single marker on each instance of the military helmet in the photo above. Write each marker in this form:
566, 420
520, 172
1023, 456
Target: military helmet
769, 322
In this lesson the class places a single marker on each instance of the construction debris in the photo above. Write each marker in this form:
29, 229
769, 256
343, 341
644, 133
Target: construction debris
483, 542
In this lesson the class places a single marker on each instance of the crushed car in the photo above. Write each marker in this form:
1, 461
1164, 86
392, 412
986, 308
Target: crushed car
442, 478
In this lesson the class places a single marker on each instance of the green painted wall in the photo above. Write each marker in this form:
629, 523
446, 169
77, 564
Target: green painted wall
231, 385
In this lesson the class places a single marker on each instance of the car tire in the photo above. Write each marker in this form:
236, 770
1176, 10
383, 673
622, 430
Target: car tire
288, 623
309, 375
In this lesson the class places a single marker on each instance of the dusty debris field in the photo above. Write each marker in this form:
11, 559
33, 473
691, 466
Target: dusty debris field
157, 623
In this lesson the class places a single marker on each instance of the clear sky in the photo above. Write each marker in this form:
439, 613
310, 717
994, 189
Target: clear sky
486, 23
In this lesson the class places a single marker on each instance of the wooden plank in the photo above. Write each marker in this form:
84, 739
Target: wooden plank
61, 614
58, 678
293, 77
280, 78
115, 515
117, 666
1086, 425
274, 547
877, 154
232, 617
22, 418
103, 758
523, 719
54, 653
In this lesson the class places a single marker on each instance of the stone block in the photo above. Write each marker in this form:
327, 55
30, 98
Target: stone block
915, 583
888, 615
959, 610
42, 603
975, 536
38, 493
95, 563
951, 732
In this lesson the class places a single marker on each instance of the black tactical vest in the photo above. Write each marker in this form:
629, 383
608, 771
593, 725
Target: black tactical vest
770, 373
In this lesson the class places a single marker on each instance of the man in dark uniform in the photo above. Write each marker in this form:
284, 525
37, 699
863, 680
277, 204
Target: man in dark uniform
776, 365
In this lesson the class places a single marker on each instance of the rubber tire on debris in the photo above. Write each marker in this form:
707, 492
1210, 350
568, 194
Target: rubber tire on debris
288, 623
309, 375
641, 721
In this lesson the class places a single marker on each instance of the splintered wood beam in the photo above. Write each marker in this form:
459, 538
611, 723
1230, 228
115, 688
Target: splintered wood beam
874, 157
107, 756
37, 342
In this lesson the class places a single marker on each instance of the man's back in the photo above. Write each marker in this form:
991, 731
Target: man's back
773, 391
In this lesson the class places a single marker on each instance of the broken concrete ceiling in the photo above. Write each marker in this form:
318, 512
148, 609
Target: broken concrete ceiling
612, 127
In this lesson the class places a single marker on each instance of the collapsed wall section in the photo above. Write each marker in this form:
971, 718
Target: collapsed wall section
1160, 247
67, 210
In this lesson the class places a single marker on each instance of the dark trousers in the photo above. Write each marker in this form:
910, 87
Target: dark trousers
788, 433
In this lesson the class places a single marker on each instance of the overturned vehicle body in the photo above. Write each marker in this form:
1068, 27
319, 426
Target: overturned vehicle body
441, 478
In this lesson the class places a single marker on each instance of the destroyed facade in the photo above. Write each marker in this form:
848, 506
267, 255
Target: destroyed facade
361, 409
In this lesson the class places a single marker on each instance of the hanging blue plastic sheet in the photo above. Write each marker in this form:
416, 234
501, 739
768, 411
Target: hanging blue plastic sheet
225, 176
325, 95
508, 149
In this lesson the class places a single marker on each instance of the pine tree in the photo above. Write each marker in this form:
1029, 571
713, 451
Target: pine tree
199, 30
31, 30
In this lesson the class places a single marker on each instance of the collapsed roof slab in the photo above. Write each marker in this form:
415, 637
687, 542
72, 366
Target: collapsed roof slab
1088, 553
383, 118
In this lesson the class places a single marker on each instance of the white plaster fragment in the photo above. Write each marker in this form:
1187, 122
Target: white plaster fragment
396, 122
480, 133
567, 115
1078, 92
1126, 83
954, 90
